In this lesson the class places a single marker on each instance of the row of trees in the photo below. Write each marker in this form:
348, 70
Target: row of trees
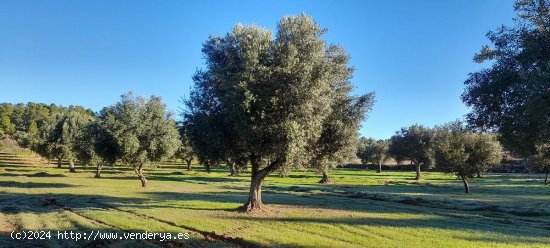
451, 147
134, 131
279, 100
510, 98
271, 103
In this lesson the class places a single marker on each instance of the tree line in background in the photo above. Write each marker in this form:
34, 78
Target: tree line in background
450, 148
134, 131
277, 101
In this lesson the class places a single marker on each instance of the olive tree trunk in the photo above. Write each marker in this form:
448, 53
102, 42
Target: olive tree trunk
379, 167
233, 170
546, 178
466, 185
141, 176
418, 176
71, 166
207, 166
98, 171
478, 174
254, 201
59, 162
188, 161
325, 178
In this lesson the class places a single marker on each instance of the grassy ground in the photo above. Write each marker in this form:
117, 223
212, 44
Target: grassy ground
361, 209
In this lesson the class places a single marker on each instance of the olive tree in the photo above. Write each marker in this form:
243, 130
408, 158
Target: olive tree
185, 153
269, 94
486, 152
415, 144
64, 134
465, 153
143, 131
373, 151
542, 160
95, 146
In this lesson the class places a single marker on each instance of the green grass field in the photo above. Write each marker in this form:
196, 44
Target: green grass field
361, 209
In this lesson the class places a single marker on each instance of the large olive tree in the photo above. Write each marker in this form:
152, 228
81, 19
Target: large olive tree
144, 132
268, 95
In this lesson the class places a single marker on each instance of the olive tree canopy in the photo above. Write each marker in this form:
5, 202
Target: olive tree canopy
373, 151
465, 153
266, 95
144, 132
415, 144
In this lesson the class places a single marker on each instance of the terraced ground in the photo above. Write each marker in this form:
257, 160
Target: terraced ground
361, 209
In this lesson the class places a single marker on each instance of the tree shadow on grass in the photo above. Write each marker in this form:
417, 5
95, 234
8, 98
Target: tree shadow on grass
196, 179
437, 218
44, 203
13, 184
530, 235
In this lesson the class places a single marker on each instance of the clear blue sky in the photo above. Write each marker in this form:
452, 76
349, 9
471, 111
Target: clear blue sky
415, 54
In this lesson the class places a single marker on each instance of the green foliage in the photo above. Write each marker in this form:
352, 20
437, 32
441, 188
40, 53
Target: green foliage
65, 133
512, 96
415, 144
465, 153
144, 133
373, 151
542, 158
95, 146
267, 99
337, 143
6, 126
185, 150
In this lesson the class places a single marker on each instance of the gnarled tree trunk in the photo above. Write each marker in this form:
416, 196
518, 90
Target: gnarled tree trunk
188, 161
71, 166
254, 201
141, 176
98, 171
233, 169
418, 176
478, 174
59, 162
325, 178
207, 166
379, 167
546, 178
466, 185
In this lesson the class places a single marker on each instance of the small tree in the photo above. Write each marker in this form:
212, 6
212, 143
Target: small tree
6, 126
485, 153
542, 160
373, 151
185, 153
95, 146
465, 153
63, 137
415, 144
143, 131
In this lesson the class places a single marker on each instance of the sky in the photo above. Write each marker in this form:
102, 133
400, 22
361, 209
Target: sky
414, 54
